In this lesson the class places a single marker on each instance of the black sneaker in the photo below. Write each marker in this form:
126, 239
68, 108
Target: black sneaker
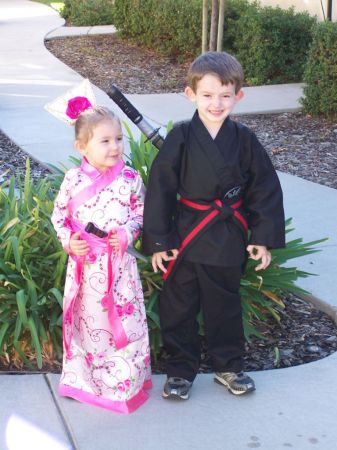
237, 383
177, 388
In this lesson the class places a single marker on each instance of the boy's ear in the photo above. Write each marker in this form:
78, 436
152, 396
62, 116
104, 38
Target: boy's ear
190, 93
239, 95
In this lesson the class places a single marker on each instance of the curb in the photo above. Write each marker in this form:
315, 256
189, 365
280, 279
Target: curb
64, 31
321, 305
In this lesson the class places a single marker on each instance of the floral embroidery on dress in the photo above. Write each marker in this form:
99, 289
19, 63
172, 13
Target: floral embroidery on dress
129, 174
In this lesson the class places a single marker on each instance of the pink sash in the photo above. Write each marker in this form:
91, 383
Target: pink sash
97, 246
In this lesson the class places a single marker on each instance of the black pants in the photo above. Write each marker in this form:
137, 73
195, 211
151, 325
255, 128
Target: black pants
216, 291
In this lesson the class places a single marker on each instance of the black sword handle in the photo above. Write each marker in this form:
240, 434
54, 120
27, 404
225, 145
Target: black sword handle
92, 229
135, 116
116, 95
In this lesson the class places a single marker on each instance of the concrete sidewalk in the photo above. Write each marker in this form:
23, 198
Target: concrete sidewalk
293, 407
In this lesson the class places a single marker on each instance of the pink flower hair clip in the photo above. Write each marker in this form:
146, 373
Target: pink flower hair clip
76, 106
70, 105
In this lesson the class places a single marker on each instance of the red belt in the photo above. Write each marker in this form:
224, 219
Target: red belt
215, 209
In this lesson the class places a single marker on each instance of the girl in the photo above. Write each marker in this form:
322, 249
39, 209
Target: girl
105, 338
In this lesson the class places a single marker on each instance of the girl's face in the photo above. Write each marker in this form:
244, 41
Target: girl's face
105, 148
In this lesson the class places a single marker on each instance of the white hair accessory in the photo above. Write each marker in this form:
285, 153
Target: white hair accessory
69, 106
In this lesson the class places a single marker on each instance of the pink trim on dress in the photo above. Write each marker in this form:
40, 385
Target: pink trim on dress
122, 407
108, 300
100, 180
148, 384
96, 245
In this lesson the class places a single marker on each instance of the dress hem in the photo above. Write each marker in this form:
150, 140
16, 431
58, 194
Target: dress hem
122, 407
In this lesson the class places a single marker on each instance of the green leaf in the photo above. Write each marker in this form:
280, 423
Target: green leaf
35, 341
16, 251
57, 294
10, 224
18, 328
155, 317
21, 302
3, 331
32, 293
22, 354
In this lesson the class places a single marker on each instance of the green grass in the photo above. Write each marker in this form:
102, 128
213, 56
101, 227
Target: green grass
55, 5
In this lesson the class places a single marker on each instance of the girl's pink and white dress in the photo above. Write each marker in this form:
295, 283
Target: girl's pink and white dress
106, 358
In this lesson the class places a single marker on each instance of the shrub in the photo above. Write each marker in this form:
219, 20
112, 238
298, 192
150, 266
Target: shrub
272, 43
32, 266
173, 27
88, 12
234, 9
320, 73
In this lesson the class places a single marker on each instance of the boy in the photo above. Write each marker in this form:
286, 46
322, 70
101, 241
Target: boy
226, 184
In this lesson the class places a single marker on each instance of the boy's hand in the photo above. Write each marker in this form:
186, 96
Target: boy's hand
77, 246
259, 252
159, 257
113, 241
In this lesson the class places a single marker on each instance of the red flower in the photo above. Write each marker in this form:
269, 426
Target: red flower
119, 310
129, 309
77, 105
129, 174
105, 301
89, 359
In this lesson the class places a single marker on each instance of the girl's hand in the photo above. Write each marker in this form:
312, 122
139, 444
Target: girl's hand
257, 252
78, 247
159, 257
113, 241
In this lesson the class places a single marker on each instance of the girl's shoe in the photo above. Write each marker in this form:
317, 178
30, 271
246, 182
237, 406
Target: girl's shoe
237, 383
177, 388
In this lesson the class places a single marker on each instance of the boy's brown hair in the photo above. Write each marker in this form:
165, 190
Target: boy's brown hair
221, 64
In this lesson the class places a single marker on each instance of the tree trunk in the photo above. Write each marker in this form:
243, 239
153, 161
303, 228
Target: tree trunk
221, 25
214, 25
204, 25
329, 10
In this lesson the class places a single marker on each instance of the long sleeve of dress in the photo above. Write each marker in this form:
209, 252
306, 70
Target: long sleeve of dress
161, 197
264, 200
134, 224
60, 213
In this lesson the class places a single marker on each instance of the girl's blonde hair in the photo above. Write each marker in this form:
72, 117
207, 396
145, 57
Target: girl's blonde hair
89, 119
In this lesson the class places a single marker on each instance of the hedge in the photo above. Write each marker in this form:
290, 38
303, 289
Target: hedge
169, 26
320, 73
88, 12
272, 44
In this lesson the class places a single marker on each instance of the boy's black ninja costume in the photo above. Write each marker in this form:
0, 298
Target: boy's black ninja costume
232, 179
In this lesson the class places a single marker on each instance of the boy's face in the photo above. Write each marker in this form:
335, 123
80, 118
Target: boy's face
214, 100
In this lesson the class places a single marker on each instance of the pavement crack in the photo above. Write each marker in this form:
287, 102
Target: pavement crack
69, 431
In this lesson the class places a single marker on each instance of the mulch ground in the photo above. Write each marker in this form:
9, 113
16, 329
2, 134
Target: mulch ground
106, 59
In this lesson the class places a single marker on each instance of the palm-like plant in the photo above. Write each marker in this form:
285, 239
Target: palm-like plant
32, 266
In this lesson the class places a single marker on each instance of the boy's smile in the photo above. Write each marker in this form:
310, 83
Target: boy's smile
214, 101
